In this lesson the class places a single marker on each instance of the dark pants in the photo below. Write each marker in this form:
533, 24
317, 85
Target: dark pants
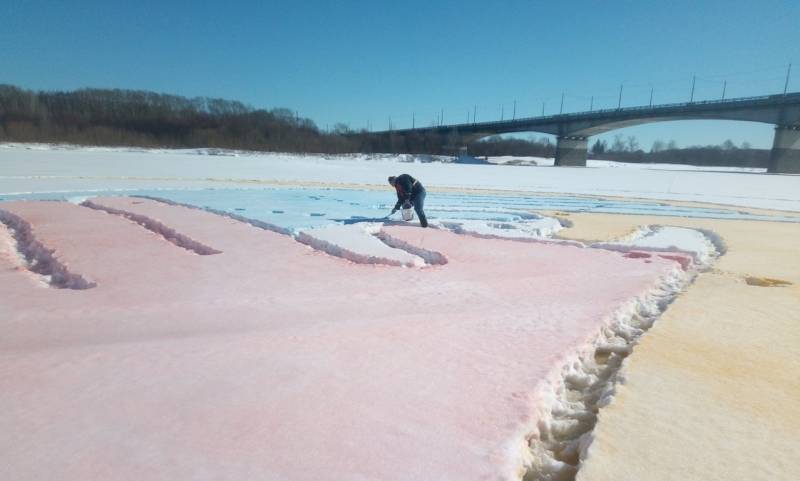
418, 199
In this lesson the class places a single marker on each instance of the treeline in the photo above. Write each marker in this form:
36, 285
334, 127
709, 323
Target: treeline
709, 156
627, 149
149, 119
498, 146
727, 154
140, 118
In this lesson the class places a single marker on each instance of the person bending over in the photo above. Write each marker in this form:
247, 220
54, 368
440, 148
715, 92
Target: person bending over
410, 190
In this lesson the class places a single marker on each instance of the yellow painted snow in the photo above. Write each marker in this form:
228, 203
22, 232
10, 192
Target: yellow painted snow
712, 391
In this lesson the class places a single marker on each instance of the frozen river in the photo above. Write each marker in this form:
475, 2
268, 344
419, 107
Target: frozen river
300, 208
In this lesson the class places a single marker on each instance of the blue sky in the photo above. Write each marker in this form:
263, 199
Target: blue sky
361, 62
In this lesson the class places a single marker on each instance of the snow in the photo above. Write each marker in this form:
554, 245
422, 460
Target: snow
542, 227
668, 239
358, 243
156, 227
316, 340
343, 222
270, 360
655, 166
36, 258
12, 255
364, 242
549, 162
50, 170
303, 207
587, 382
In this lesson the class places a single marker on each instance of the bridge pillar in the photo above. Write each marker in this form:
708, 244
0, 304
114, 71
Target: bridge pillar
571, 150
785, 155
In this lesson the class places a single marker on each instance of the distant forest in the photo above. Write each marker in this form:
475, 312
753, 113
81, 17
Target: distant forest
148, 119
628, 150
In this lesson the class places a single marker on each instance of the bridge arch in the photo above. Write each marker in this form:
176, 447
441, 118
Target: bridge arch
573, 130
573, 142
623, 124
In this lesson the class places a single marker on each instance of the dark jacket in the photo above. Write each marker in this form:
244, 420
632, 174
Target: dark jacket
407, 188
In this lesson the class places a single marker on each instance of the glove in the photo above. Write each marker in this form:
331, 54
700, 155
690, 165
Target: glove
393, 211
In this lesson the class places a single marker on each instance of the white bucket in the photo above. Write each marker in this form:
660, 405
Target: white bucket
408, 214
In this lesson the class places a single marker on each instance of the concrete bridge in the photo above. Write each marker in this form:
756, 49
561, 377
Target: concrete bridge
573, 130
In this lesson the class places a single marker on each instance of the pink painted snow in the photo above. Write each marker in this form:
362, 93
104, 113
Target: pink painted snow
274, 361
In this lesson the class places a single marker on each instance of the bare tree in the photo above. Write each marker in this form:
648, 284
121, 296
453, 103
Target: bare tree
599, 147
658, 146
632, 144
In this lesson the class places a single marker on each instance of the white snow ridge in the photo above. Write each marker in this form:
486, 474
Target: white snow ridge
704, 247
357, 243
586, 382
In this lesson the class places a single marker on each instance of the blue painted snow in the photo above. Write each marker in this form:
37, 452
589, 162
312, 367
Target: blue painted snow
295, 208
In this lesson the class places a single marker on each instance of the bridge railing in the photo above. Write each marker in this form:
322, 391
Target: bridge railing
577, 115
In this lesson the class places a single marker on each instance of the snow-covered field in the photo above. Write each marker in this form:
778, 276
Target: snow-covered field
48, 169
228, 315
205, 348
